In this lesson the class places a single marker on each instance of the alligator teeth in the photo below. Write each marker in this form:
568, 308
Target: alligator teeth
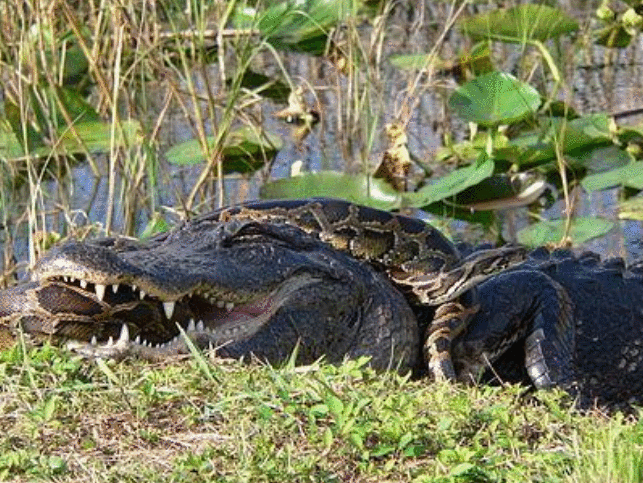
168, 307
191, 326
220, 304
114, 287
229, 306
110, 341
138, 339
134, 287
65, 279
100, 291
94, 340
141, 295
200, 326
124, 336
83, 284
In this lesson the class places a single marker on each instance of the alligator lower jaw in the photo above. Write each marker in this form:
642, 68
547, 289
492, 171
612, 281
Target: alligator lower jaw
239, 322
125, 347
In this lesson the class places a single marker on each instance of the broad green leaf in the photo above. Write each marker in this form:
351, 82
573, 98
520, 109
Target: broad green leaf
576, 135
451, 184
631, 209
78, 109
476, 62
373, 192
61, 104
269, 87
25, 133
96, 137
245, 150
357, 188
93, 137
417, 61
76, 66
519, 24
630, 175
493, 99
299, 25
552, 231
10, 148
155, 225
502, 191
613, 36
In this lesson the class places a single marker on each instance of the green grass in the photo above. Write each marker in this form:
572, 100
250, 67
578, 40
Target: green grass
65, 419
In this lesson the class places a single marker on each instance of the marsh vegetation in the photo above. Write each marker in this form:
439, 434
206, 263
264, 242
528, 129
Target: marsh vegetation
523, 122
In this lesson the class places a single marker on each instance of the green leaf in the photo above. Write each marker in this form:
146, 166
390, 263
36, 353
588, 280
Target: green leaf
576, 135
245, 150
552, 231
494, 98
630, 175
335, 405
631, 209
502, 191
78, 109
296, 25
96, 137
478, 61
451, 184
76, 66
376, 193
157, 224
358, 188
25, 133
519, 24
10, 148
462, 469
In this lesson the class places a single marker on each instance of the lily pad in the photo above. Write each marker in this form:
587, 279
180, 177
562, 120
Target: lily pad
96, 137
573, 135
630, 175
296, 25
92, 136
631, 209
365, 189
520, 24
493, 99
552, 231
10, 148
503, 191
358, 188
451, 184
245, 150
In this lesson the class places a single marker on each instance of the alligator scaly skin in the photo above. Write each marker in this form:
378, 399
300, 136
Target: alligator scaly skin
561, 320
169, 269
333, 279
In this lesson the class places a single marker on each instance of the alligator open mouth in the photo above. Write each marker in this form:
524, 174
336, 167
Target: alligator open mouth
137, 322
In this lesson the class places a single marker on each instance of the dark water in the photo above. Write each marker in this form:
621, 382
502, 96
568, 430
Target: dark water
597, 80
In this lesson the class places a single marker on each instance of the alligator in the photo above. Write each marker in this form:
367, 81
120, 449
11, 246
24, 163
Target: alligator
557, 319
230, 277
329, 278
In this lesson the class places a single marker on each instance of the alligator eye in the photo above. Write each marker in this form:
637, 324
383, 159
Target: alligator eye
251, 231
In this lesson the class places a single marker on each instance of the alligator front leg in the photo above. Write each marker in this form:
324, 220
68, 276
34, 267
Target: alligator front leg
452, 291
516, 306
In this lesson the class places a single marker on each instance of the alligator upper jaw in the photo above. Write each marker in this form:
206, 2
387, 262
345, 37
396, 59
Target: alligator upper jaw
122, 320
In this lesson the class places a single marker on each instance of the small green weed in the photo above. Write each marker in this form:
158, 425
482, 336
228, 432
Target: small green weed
73, 421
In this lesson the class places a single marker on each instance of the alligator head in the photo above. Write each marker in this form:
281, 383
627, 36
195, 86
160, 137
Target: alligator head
242, 286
